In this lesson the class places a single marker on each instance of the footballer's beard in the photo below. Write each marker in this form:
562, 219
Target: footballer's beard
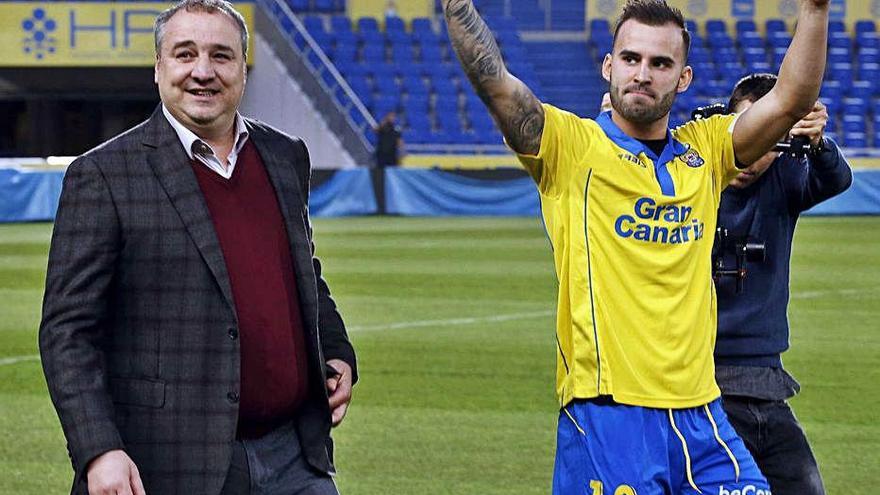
641, 114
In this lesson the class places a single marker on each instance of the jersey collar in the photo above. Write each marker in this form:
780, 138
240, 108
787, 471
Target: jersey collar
672, 149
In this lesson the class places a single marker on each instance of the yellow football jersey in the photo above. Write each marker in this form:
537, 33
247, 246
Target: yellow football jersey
632, 237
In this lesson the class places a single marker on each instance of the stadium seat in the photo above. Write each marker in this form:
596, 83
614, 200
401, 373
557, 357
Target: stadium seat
340, 24
775, 25
373, 54
839, 40
368, 24
325, 6
863, 90
836, 26
746, 26
865, 26
868, 56
716, 26
299, 5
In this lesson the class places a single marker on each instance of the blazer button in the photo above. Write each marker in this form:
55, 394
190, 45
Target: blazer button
233, 333
232, 397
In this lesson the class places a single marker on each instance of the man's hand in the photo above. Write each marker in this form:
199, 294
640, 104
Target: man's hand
339, 390
813, 125
114, 473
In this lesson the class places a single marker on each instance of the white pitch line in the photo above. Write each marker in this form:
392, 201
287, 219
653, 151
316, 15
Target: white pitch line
813, 294
452, 321
19, 359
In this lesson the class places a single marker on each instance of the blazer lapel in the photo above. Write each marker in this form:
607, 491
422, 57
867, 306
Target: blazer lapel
171, 165
282, 172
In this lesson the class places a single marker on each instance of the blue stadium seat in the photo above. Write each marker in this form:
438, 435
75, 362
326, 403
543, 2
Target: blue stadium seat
839, 55
863, 90
716, 26
868, 40
299, 5
600, 26
402, 53
775, 25
399, 37
836, 26
371, 38
855, 106
779, 39
414, 104
418, 121
855, 140
384, 104
869, 72
839, 40
868, 56
415, 86
746, 26
691, 26
444, 88
325, 6
865, 26
446, 106
368, 24
422, 25
373, 54
853, 123
386, 86
416, 136
344, 54
340, 24
430, 53
750, 39
313, 24
394, 24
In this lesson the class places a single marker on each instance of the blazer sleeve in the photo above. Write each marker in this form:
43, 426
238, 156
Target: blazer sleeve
334, 338
84, 249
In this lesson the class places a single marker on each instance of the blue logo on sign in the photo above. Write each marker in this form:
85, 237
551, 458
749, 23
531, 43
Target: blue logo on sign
38, 34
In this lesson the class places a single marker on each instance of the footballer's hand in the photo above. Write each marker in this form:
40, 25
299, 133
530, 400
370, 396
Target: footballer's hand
813, 125
339, 390
114, 473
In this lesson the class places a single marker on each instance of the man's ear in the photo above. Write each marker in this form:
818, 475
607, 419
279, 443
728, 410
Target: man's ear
606, 67
685, 79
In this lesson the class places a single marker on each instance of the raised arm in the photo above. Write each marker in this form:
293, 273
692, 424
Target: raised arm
800, 78
512, 104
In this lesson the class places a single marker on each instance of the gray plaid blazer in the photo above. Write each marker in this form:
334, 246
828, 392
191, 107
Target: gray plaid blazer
139, 334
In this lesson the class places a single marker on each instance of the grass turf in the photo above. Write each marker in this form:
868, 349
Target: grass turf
452, 319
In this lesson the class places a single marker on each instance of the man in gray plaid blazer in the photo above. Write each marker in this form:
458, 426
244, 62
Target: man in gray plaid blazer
189, 342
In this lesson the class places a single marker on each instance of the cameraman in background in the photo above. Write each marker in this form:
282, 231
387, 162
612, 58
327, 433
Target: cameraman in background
763, 204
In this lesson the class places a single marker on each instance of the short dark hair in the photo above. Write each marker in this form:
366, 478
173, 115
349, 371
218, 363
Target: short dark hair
653, 13
209, 6
751, 88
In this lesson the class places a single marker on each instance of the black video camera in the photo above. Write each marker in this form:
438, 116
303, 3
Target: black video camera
742, 247
798, 145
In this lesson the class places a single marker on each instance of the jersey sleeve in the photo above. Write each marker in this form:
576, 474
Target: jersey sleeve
557, 152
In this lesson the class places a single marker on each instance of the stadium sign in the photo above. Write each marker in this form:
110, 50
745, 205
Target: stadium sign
83, 34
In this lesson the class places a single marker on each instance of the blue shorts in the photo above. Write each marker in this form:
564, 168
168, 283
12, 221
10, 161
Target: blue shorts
605, 448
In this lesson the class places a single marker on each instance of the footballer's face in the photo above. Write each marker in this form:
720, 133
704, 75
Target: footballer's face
754, 171
646, 69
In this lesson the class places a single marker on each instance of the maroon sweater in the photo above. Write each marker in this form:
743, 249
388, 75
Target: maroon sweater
253, 238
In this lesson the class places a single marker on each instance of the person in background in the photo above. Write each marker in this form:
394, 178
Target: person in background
189, 342
763, 203
389, 141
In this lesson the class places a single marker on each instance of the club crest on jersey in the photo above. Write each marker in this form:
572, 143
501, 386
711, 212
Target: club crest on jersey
693, 159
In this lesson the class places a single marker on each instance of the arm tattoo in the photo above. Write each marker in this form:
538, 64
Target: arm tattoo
519, 115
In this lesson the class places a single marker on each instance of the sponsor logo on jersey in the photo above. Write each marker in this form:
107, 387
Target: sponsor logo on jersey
660, 224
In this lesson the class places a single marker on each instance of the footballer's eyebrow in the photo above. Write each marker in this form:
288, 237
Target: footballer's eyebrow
657, 58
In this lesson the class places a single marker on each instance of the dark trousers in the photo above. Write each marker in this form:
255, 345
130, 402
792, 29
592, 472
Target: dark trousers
274, 465
777, 442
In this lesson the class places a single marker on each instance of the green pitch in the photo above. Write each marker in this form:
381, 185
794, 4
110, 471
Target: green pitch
453, 321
